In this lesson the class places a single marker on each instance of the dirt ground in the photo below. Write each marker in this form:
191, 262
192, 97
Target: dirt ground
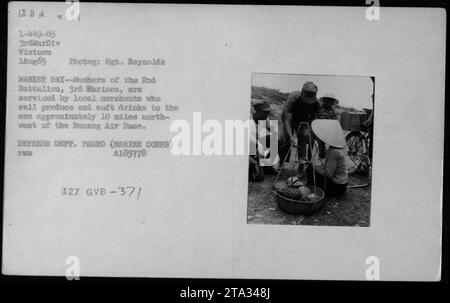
352, 209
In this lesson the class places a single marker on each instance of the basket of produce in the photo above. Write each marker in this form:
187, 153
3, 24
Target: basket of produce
295, 195
304, 200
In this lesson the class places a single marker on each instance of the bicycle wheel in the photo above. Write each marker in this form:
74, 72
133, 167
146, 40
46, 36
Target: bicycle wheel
357, 148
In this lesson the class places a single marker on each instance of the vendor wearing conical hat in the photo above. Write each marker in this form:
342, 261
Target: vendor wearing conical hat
332, 175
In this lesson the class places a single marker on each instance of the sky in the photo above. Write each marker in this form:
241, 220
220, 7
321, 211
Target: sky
351, 91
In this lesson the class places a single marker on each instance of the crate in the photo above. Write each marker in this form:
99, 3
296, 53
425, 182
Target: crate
352, 121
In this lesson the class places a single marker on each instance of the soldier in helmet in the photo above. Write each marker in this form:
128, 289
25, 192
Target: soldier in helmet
300, 109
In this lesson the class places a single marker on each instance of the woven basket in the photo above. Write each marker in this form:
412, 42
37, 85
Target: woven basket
351, 121
301, 206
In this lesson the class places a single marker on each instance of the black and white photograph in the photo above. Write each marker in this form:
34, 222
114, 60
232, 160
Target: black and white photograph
322, 175
241, 143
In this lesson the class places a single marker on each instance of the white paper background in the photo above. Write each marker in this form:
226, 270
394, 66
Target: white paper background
191, 219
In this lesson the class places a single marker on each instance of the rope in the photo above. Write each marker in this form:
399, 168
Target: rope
323, 165
295, 156
279, 172
284, 161
312, 164
309, 147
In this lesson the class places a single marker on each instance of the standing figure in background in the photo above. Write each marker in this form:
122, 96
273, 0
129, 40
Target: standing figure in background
261, 163
327, 111
300, 107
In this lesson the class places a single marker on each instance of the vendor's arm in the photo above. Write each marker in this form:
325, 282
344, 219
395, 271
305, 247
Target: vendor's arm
287, 123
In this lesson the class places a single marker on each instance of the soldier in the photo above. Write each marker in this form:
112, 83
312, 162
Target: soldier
300, 109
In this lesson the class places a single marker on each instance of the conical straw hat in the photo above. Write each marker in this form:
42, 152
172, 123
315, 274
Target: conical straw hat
329, 98
329, 131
